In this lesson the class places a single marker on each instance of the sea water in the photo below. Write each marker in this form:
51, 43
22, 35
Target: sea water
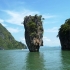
49, 58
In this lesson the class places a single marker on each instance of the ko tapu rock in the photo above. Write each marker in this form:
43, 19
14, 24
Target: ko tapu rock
33, 32
64, 35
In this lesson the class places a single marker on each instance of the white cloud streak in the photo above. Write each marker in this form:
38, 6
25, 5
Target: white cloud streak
2, 22
18, 17
22, 39
46, 39
54, 29
51, 42
48, 16
13, 30
50, 22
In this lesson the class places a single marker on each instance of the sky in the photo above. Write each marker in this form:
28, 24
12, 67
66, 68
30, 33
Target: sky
55, 12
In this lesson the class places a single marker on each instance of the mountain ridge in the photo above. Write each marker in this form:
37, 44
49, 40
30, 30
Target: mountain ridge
7, 41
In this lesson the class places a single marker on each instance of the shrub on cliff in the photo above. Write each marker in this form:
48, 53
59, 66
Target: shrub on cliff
33, 32
64, 35
32, 26
65, 28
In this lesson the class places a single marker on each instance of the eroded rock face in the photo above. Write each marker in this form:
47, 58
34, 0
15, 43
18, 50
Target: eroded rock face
64, 35
33, 32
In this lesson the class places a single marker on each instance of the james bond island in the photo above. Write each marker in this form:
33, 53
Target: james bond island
33, 32
64, 35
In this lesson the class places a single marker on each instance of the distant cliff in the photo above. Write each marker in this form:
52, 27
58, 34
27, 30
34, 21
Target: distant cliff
7, 41
64, 35
33, 32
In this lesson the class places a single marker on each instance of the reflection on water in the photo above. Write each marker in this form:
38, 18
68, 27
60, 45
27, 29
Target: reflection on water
53, 59
5, 60
46, 59
66, 60
12, 59
35, 61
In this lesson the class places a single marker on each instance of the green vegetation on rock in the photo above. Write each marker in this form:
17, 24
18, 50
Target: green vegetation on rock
32, 28
64, 35
7, 41
65, 28
33, 32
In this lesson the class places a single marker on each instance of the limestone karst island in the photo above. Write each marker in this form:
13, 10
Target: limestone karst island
33, 32
64, 35
34, 35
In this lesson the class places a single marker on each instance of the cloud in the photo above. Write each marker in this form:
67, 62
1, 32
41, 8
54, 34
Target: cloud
2, 22
22, 39
15, 18
48, 16
18, 17
50, 22
51, 42
54, 29
54, 42
46, 39
13, 30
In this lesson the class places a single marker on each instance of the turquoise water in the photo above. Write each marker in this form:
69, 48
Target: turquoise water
46, 59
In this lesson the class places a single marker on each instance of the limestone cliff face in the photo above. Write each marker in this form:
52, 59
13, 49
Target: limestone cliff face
64, 35
33, 32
